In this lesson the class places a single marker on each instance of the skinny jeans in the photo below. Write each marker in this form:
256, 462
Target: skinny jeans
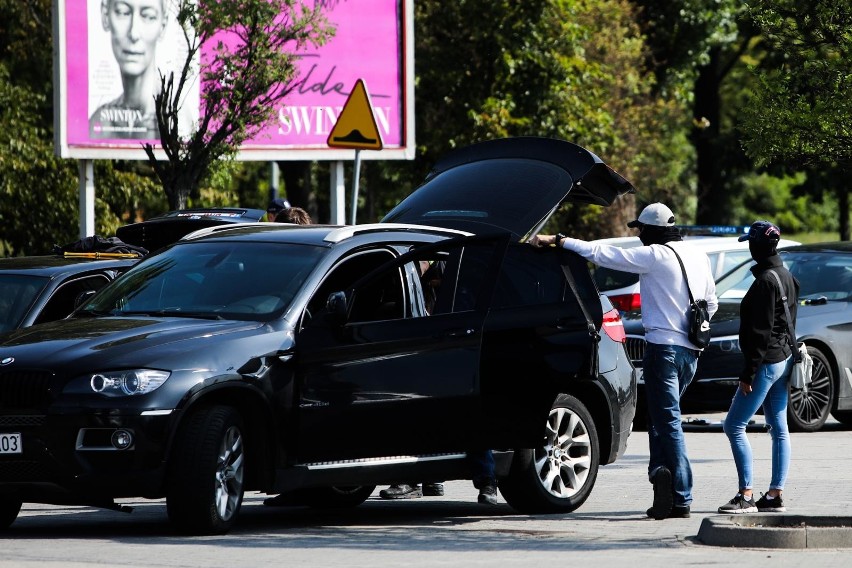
769, 388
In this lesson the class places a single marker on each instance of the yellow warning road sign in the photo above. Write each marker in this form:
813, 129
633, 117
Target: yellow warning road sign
356, 126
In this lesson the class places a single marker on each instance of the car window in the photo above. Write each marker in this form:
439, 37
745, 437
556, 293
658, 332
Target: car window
609, 279
822, 275
64, 299
723, 262
464, 284
234, 280
17, 294
345, 274
523, 283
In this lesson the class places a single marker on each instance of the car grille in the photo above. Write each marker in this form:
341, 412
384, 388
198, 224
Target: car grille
635, 350
21, 421
23, 471
24, 389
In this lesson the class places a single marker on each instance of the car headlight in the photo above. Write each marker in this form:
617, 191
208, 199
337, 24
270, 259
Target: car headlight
120, 383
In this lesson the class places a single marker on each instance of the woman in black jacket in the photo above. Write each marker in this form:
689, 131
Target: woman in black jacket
767, 350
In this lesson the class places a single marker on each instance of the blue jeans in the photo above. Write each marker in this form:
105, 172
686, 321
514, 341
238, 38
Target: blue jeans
769, 388
481, 463
668, 370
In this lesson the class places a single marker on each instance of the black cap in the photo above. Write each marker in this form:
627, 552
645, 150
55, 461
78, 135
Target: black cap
278, 205
762, 231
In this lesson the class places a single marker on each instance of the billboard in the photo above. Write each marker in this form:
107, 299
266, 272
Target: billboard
109, 54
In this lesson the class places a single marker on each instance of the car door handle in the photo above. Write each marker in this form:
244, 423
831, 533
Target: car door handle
458, 332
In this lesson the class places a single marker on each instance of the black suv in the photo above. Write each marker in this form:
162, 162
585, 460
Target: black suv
317, 361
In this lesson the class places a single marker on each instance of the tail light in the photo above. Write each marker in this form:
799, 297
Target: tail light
626, 302
613, 327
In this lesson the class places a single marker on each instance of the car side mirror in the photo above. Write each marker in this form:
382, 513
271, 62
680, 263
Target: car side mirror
336, 308
83, 297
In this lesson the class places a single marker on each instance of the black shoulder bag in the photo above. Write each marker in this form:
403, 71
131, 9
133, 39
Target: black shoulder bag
699, 315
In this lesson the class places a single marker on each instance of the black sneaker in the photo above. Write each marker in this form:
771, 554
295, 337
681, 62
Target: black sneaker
677, 512
433, 489
767, 504
662, 506
739, 505
488, 495
401, 491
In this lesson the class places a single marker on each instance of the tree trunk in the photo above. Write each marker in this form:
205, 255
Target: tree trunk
713, 203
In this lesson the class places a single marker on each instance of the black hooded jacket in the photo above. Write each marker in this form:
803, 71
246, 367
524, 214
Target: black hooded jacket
763, 323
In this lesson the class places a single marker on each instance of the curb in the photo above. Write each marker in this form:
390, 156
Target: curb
776, 531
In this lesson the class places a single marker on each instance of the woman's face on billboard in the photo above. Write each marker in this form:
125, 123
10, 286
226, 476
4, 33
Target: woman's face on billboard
135, 27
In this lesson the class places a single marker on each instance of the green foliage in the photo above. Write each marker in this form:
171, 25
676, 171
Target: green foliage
571, 69
800, 115
802, 112
777, 199
243, 81
680, 34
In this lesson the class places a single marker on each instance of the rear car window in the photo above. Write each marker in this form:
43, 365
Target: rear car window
608, 279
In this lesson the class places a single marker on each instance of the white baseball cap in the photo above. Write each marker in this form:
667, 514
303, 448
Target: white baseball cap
655, 214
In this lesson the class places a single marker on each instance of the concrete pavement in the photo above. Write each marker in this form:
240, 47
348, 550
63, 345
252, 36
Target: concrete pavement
453, 531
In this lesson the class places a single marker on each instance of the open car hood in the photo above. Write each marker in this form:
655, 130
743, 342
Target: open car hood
510, 184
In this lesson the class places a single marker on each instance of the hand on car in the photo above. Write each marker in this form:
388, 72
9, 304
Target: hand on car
539, 241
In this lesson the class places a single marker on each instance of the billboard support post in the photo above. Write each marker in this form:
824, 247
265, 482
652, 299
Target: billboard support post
86, 191
355, 177
337, 194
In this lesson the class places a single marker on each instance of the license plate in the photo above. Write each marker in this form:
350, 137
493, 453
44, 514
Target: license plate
10, 444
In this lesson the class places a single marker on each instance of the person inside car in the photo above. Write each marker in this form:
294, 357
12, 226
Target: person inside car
670, 357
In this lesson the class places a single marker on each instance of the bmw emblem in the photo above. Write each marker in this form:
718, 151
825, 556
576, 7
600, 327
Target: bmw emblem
7, 361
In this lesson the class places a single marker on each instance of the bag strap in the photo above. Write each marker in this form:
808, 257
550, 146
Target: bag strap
683, 270
791, 333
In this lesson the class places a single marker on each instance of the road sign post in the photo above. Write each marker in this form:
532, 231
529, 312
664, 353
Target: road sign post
356, 128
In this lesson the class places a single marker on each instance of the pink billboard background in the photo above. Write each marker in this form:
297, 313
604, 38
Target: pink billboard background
369, 44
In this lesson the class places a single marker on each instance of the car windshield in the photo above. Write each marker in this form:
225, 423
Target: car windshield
234, 280
821, 275
17, 294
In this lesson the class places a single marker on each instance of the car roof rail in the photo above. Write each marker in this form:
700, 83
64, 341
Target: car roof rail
349, 231
216, 229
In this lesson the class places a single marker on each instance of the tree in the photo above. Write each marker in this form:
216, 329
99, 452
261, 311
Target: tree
801, 111
570, 69
242, 82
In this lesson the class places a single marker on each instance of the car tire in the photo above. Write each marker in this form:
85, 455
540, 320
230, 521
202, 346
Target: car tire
808, 409
843, 416
558, 476
207, 471
9, 509
338, 497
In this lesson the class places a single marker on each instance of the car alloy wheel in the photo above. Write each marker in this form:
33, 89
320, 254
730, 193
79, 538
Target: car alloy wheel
563, 462
808, 408
207, 472
558, 476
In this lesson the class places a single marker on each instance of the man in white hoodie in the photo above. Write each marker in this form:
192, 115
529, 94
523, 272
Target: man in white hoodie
670, 357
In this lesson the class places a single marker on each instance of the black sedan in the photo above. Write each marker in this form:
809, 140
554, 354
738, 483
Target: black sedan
38, 289
824, 324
